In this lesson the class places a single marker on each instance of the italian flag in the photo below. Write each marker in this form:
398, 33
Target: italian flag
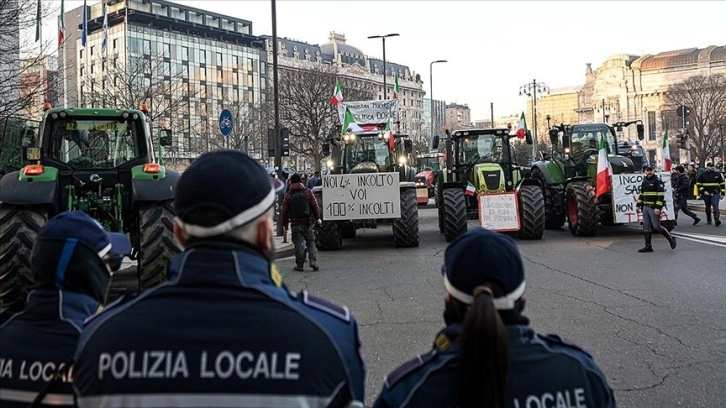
666, 151
349, 123
522, 129
61, 24
389, 130
396, 89
337, 94
470, 189
604, 171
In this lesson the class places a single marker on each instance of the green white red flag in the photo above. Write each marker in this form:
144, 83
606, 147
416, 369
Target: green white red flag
396, 89
349, 123
604, 171
666, 151
522, 129
61, 24
337, 94
470, 189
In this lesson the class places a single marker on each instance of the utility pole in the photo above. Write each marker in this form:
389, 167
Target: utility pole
278, 155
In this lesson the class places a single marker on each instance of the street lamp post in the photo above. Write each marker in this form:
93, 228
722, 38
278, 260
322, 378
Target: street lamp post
383, 37
277, 150
431, 93
531, 89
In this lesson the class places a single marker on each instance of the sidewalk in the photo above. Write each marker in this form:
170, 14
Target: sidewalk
284, 249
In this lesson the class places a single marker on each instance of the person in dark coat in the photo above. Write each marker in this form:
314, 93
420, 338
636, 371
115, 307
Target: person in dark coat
72, 261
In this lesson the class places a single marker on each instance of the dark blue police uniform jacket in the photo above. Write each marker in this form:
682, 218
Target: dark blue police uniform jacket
544, 371
224, 331
35, 342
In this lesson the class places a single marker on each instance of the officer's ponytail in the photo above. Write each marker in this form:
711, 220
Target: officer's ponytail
484, 354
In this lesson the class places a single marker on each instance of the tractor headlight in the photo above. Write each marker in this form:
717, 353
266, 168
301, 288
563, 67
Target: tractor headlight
402, 160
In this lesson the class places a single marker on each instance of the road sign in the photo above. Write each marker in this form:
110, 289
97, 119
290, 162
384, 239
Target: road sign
225, 122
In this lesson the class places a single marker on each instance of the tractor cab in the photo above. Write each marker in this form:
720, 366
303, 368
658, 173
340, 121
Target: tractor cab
371, 151
485, 159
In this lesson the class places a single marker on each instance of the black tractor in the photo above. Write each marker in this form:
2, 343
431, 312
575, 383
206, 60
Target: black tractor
102, 162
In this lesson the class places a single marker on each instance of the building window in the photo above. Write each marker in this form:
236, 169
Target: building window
147, 48
220, 77
235, 61
82, 71
263, 68
115, 43
185, 53
202, 57
202, 74
93, 66
250, 65
203, 91
92, 49
651, 126
219, 59
185, 71
81, 54
167, 50
167, 68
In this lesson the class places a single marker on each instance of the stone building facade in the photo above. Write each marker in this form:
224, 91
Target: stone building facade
458, 116
631, 87
362, 70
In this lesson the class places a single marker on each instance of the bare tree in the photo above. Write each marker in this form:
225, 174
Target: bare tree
149, 79
305, 107
21, 84
705, 97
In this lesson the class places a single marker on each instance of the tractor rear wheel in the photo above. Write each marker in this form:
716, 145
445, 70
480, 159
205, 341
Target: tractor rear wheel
157, 244
553, 220
531, 212
18, 229
329, 237
405, 229
583, 214
455, 222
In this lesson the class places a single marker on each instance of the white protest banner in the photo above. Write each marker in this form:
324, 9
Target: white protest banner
369, 112
499, 212
367, 196
626, 189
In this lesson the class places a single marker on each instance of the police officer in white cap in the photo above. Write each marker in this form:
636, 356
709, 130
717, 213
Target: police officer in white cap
224, 331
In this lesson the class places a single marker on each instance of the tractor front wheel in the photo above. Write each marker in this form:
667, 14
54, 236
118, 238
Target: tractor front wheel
329, 236
454, 205
531, 212
583, 214
18, 230
157, 244
405, 229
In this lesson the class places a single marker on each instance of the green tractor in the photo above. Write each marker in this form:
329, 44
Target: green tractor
481, 162
100, 161
568, 176
367, 157
15, 134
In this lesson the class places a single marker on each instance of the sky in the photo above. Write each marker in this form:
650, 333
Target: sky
492, 47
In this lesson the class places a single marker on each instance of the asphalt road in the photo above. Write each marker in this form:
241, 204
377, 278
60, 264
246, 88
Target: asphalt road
654, 322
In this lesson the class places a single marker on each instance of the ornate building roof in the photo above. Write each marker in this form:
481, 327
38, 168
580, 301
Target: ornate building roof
680, 58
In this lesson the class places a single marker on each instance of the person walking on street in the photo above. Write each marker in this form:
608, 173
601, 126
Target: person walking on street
682, 188
300, 209
224, 331
650, 202
712, 189
488, 355
71, 263
314, 180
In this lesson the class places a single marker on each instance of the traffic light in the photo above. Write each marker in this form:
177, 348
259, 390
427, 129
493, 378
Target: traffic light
284, 142
682, 141
271, 142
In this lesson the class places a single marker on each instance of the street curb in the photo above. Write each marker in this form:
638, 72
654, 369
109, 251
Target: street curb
284, 251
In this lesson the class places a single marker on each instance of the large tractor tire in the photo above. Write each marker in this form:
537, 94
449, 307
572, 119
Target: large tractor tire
553, 220
455, 222
583, 214
531, 212
348, 232
157, 244
329, 236
405, 229
18, 229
